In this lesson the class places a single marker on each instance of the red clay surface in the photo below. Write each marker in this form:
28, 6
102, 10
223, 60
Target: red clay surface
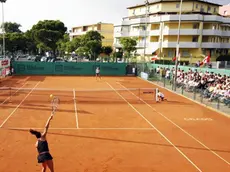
110, 131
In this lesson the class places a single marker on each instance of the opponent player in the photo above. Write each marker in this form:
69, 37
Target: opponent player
98, 73
161, 96
44, 157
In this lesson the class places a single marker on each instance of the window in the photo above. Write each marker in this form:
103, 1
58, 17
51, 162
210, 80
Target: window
209, 8
212, 39
202, 8
195, 26
134, 11
170, 53
214, 10
185, 53
143, 27
197, 6
195, 39
177, 5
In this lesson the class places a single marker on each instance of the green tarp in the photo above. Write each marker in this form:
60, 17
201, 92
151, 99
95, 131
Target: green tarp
65, 68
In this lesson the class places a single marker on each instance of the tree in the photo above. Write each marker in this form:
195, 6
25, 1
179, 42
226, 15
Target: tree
128, 45
30, 44
65, 45
12, 27
73, 45
91, 36
107, 50
92, 41
47, 33
94, 48
62, 44
82, 51
15, 42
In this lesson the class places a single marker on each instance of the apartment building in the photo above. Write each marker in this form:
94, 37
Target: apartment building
155, 25
225, 10
105, 29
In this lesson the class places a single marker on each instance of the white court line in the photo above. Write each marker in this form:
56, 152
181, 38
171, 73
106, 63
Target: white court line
13, 94
115, 129
75, 108
19, 105
156, 129
180, 128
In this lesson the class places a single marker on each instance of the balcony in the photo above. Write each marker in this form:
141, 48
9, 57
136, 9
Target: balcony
121, 34
211, 18
226, 20
225, 45
155, 19
152, 47
215, 45
212, 32
211, 45
135, 21
182, 32
226, 33
141, 33
192, 17
182, 44
125, 22
117, 45
154, 32
77, 33
139, 45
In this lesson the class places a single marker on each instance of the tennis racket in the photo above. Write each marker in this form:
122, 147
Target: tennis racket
54, 104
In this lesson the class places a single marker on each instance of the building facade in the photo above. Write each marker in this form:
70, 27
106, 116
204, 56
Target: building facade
225, 10
105, 29
155, 25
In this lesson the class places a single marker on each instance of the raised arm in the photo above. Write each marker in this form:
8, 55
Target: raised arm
47, 126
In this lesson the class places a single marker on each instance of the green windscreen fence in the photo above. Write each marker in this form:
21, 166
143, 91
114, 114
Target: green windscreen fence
65, 68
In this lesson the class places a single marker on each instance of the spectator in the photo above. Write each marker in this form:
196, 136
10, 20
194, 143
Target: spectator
213, 86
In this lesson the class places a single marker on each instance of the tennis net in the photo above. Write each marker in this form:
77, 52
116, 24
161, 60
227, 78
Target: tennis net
86, 96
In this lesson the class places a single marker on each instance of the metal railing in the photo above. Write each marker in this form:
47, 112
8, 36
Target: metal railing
198, 95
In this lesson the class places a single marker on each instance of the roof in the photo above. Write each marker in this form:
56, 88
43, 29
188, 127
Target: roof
159, 1
93, 24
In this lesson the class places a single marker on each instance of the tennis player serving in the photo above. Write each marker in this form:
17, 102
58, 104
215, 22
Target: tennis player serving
44, 157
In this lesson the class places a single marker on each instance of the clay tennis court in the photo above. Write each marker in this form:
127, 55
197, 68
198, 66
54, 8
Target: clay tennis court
114, 128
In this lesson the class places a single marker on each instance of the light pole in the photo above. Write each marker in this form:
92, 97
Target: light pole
3, 30
146, 25
178, 46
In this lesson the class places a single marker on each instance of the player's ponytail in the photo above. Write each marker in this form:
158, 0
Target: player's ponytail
36, 133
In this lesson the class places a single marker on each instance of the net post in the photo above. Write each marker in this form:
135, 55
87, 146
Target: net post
218, 104
139, 94
156, 93
10, 94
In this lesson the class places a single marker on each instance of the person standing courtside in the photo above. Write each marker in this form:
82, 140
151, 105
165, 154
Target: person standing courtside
98, 73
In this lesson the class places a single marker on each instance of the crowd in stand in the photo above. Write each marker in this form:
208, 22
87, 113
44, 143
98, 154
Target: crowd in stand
213, 86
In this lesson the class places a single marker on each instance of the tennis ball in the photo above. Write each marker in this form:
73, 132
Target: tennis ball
51, 95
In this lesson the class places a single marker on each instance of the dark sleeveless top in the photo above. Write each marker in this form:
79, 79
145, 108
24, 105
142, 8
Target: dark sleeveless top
42, 146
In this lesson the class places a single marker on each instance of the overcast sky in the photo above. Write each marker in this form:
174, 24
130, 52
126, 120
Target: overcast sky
71, 12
